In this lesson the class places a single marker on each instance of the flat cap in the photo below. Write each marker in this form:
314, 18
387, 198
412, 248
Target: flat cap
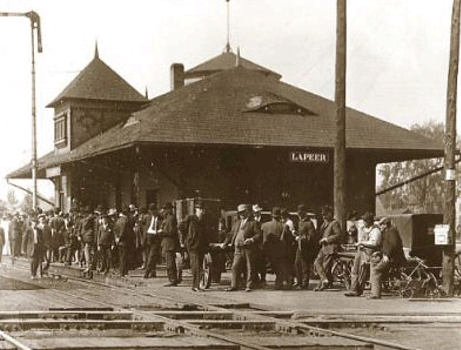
368, 217
384, 220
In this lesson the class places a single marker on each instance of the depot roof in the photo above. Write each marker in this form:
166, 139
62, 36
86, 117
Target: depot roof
242, 107
224, 61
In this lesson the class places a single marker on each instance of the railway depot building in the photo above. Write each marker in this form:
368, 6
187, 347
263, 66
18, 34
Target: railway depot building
229, 129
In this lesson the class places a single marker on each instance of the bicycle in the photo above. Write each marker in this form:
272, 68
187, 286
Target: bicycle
419, 280
341, 271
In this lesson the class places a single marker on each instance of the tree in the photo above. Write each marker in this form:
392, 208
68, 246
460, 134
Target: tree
11, 198
26, 204
425, 195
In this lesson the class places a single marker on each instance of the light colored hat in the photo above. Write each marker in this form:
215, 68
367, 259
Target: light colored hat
257, 208
242, 207
112, 212
384, 220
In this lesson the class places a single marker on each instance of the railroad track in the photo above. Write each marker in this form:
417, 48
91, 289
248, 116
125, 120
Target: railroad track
147, 320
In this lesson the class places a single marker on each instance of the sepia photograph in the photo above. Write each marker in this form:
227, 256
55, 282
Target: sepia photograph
230, 174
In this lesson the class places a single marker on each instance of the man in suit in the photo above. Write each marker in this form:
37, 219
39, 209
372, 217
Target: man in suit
246, 235
307, 248
16, 234
88, 234
261, 257
170, 243
153, 235
330, 243
45, 228
196, 241
58, 230
124, 238
105, 242
32, 244
275, 248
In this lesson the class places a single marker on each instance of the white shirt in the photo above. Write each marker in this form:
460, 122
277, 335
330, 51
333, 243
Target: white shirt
153, 227
290, 225
374, 236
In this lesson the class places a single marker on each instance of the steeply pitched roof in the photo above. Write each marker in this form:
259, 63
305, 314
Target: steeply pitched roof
97, 81
241, 107
224, 61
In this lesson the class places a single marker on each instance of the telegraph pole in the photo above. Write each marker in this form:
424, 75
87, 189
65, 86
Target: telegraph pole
450, 150
35, 27
340, 120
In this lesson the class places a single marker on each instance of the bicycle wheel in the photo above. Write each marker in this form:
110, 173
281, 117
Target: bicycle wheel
431, 286
407, 293
207, 271
341, 273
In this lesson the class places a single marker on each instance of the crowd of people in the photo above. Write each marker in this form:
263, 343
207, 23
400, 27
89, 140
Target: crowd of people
131, 238
294, 252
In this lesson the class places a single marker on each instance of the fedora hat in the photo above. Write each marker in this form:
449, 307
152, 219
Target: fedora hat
242, 207
276, 212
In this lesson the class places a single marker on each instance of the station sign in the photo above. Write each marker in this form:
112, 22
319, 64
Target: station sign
309, 157
53, 172
442, 234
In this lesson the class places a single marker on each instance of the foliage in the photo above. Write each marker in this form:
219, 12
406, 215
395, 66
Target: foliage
425, 195
3, 206
26, 204
11, 198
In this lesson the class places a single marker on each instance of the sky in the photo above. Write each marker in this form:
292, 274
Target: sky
397, 54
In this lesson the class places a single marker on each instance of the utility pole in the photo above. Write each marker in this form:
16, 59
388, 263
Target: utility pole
450, 150
340, 120
35, 27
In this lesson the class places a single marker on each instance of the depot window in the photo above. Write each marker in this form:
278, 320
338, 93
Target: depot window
60, 130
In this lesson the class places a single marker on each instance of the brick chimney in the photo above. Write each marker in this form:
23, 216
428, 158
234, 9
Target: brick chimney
176, 76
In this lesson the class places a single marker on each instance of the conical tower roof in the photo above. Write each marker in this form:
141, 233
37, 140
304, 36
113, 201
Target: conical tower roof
97, 81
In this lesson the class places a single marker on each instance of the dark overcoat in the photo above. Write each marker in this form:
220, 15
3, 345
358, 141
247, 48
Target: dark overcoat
170, 235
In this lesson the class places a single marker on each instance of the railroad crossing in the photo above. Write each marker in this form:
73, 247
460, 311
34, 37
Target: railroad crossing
65, 311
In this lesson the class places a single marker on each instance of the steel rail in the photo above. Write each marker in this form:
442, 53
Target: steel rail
13, 341
168, 321
247, 315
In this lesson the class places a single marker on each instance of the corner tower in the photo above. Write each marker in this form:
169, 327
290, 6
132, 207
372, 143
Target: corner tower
97, 99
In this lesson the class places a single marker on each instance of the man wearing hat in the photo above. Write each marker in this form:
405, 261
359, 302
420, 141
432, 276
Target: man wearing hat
391, 255
105, 243
307, 248
153, 240
88, 234
124, 238
275, 248
261, 257
196, 240
16, 234
32, 244
331, 238
47, 241
170, 243
370, 242
246, 234
58, 231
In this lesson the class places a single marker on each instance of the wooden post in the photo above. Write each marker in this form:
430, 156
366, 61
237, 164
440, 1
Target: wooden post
450, 150
340, 121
